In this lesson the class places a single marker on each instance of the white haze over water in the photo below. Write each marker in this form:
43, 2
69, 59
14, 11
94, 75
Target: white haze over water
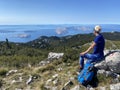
26, 33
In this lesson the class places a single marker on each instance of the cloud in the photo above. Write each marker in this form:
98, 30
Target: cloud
23, 36
64, 30
61, 30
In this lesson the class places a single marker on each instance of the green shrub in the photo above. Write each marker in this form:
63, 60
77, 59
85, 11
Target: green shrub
103, 79
19, 61
70, 56
3, 71
46, 68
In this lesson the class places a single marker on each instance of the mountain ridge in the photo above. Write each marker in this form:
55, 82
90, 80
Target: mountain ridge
70, 40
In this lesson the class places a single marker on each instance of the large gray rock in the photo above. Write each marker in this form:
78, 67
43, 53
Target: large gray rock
107, 87
115, 86
110, 74
53, 55
111, 62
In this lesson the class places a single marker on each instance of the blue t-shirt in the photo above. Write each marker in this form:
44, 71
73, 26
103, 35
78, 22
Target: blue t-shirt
100, 44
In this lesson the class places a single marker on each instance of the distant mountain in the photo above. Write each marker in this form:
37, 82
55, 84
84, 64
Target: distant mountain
112, 36
54, 42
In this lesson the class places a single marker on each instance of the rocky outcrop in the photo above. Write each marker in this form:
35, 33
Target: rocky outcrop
109, 87
111, 62
53, 55
108, 73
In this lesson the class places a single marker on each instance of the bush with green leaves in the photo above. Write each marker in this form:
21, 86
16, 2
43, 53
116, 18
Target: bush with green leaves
3, 71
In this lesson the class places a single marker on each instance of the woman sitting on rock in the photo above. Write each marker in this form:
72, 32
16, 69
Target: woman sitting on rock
98, 46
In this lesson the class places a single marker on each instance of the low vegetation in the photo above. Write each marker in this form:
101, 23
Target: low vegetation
25, 57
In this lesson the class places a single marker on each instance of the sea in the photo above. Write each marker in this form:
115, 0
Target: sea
26, 33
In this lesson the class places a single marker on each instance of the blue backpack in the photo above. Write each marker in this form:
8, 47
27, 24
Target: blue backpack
87, 74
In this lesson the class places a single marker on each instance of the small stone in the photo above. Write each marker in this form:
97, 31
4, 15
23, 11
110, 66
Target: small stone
29, 80
13, 81
102, 88
101, 71
67, 84
18, 89
55, 82
72, 78
11, 72
54, 88
48, 81
59, 69
108, 73
76, 88
20, 79
55, 76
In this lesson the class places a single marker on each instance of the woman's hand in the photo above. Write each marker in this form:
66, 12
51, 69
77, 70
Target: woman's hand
83, 53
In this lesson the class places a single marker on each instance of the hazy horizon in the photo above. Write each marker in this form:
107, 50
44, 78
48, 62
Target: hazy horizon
26, 33
26, 20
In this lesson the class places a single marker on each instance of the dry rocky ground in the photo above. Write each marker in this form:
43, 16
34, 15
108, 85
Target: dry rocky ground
54, 74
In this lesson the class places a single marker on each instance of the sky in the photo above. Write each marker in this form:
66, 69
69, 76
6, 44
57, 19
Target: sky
19, 12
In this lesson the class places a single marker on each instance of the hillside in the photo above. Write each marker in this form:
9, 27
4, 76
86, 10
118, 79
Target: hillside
20, 63
62, 43
37, 50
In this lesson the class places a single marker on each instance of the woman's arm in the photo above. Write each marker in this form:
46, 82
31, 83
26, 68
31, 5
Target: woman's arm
91, 47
